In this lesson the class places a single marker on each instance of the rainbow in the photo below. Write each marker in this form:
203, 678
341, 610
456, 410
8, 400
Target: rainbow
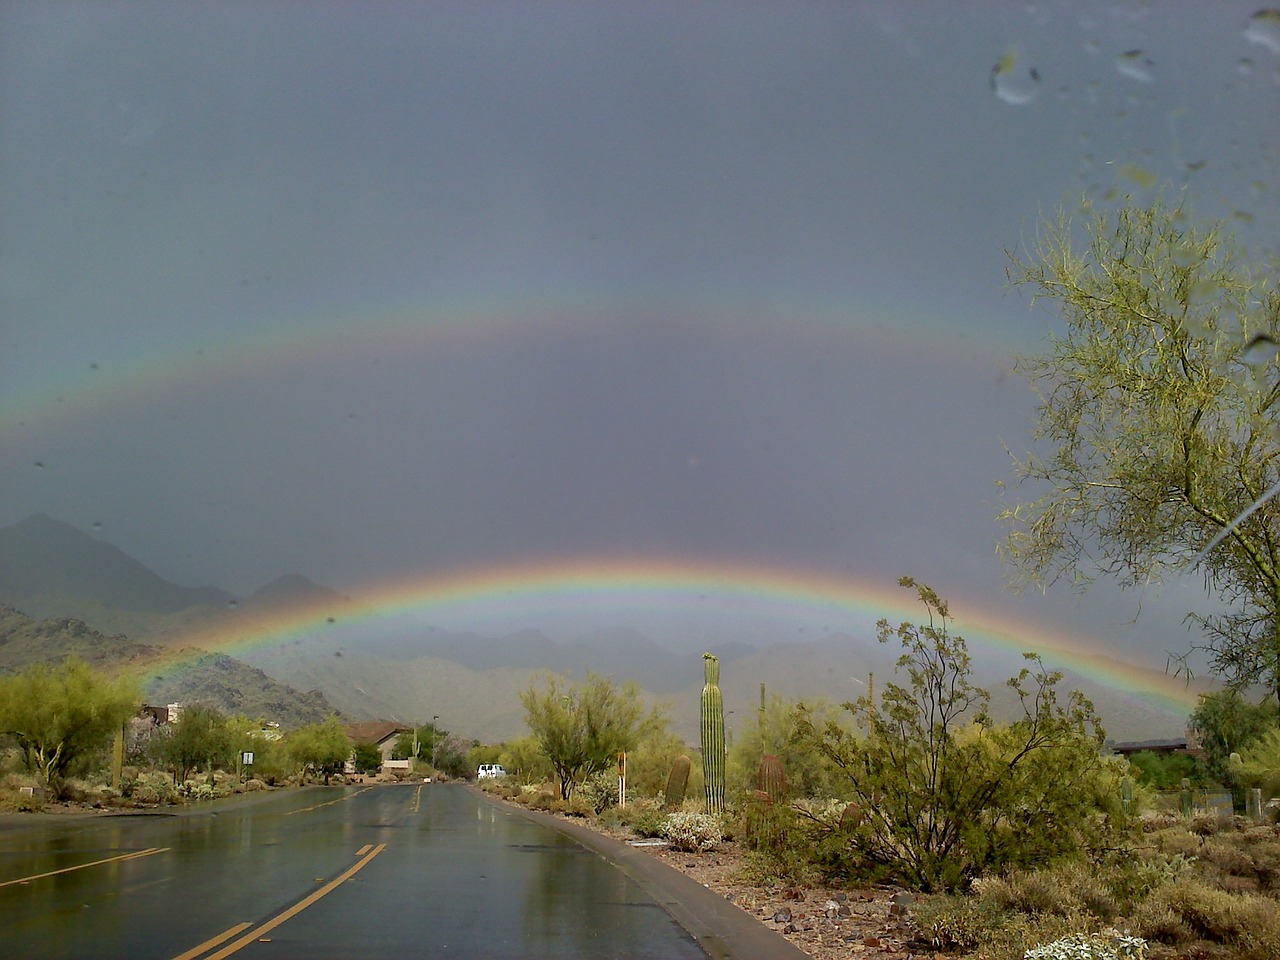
36, 398
612, 590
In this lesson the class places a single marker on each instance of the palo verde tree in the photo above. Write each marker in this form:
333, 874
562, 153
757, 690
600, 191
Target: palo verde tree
61, 713
1157, 422
200, 737
946, 795
581, 727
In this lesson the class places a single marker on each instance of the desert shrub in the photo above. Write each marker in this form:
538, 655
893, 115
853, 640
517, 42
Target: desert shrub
692, 831
974, 924
575, 806
645, 818
947, 795
1090, 946
1189, 908
536, 798
254, 785
600, 791
21, 803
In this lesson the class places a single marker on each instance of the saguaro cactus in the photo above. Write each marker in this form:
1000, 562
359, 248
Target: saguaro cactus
677, 782
712, 735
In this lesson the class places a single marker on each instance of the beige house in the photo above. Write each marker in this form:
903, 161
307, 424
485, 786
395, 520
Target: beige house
382, 733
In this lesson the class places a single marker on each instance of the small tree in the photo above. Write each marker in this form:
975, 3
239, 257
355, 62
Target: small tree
60, 713
523, 759
320, 747
776, 732
1157, 423
1227, 723
945, 794
199, 737
581, 727
368, 758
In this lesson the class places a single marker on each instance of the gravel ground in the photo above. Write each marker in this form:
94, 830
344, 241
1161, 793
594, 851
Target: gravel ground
824, 923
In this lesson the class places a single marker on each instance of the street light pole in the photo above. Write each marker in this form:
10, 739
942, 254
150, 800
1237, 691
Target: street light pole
435, 737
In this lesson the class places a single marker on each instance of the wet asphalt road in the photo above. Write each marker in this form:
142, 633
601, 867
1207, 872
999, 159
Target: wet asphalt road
411, 870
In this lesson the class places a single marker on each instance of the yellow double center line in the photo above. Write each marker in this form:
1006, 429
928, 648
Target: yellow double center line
268, 926
81, 866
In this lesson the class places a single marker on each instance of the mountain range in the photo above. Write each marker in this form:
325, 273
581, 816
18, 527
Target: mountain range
407, 671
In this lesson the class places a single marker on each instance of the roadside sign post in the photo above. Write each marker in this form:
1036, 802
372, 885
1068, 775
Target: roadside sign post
622, 778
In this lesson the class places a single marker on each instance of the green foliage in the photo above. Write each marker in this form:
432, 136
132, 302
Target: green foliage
58, 714
943, 801
1158, 416
600, 791
775, 732
582, 727
711, 727
320, 748
1165, 771
200, 737
1227, 723
368, 758
450, 754
524, 760
649, 763
1260, 763
419, 743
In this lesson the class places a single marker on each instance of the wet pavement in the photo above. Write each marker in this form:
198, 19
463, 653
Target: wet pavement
410, 870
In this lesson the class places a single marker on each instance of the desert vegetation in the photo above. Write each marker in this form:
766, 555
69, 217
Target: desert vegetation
1024, 839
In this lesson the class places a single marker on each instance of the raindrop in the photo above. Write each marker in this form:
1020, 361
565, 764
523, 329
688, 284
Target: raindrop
329, 619
1244, 66
1135, 65
232, 603
1196, 165
97, 524
94, 366
1264, 29
1138, 174
39, 464
1260, 351
1011, 83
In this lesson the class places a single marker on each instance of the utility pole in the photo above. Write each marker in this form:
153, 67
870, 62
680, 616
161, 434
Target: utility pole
435, 737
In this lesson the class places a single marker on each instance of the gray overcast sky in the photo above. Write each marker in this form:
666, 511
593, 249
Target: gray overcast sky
371, 291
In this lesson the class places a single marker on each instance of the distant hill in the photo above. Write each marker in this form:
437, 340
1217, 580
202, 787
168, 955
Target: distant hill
235, 687
209, 678
620, 652
42, 557
396, 668
293, 588
24, 641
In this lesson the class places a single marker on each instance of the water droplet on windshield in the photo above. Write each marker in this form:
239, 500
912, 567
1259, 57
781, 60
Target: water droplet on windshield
1139, 175
1013, 83
1264, 29
97, 524
39, 464
232, 604
1260, 351
1135, 65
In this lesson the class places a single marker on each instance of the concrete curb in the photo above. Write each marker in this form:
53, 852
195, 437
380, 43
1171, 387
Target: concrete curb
724, 931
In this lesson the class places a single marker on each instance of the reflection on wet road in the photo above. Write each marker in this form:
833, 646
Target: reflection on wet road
405, 870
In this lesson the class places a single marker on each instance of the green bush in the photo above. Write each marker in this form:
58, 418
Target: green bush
600, 791
946, 794
645, 818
